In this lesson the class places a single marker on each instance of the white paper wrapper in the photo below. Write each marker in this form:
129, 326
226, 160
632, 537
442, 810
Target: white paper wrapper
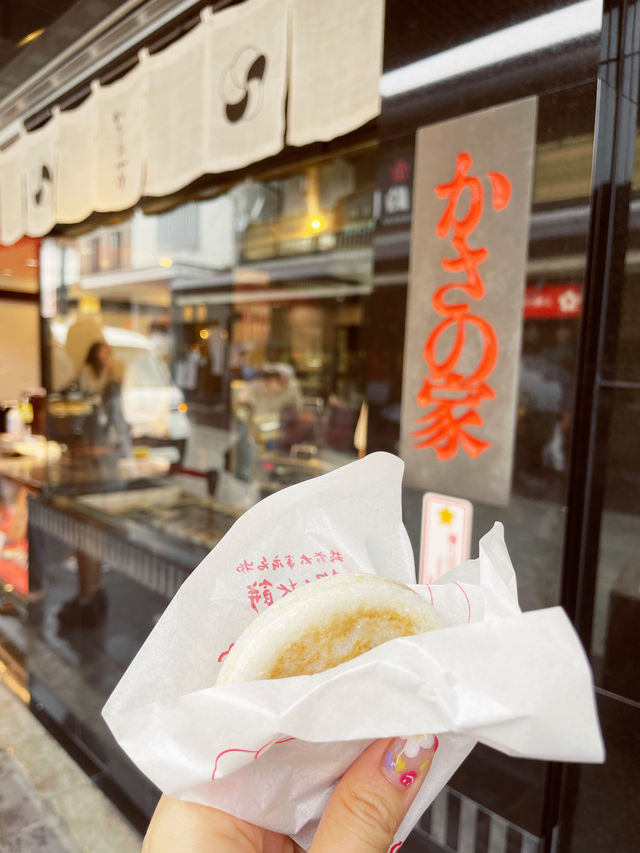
270, 752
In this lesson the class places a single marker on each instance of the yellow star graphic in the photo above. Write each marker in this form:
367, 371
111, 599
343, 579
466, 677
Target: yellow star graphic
446, 516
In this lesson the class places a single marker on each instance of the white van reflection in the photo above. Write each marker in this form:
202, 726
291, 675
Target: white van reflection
152, 404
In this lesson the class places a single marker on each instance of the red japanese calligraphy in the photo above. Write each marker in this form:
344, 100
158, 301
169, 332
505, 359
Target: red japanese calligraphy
264, 592
450, 392
287, 589
254, 595
267, 595
275, 562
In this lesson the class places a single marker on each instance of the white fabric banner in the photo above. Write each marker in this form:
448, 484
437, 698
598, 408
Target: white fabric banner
120, 129
213, 101
176, 105
247, 64
77, 149
40, 150
12, 205
336, 62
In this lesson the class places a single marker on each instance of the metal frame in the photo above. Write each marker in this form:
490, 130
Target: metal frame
614, 143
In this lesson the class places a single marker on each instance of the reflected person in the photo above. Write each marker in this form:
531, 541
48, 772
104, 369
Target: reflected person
99, 378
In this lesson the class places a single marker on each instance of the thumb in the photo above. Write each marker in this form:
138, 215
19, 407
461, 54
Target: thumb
373, 796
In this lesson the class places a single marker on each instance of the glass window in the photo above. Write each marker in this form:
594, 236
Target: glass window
198, 360
534, 519
237, 345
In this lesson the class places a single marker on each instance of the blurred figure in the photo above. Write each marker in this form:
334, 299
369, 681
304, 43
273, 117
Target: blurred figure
275, 406
98, 369
77, 339
160, 341
108, 433
267, 395
98, 379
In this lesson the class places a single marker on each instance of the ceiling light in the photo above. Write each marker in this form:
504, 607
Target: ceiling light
545, 31
31, 37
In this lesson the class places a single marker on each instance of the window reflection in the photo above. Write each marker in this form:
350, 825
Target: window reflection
227, 355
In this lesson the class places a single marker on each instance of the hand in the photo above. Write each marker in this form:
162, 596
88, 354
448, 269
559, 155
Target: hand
362, 816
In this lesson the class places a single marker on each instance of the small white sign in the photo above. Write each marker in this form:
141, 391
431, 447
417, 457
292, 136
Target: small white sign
50, 263
446, 535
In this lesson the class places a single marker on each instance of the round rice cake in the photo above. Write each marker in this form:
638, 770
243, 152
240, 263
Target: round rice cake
326, 623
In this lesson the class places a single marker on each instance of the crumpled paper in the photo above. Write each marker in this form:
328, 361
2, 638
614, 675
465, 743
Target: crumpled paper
270, 752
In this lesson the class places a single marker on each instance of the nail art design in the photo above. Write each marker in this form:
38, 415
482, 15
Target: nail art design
407, 758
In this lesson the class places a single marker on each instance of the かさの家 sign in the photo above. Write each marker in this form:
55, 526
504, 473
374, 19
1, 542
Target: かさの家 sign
471, 203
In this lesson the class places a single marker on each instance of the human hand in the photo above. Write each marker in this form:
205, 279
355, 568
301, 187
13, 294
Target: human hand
362, 815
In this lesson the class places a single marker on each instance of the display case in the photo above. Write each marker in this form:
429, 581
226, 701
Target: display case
136, 545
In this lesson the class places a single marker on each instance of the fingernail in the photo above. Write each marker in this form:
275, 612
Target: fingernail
408, 759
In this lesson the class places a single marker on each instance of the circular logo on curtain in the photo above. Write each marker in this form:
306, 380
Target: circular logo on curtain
43, 182
241, 85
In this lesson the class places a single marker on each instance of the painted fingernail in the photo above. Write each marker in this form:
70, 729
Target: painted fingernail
408, 759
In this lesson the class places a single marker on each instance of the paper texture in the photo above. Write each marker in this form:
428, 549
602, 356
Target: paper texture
336, 62
12, 202
247, 68
121, 142
76, 174
176, 98
271, 751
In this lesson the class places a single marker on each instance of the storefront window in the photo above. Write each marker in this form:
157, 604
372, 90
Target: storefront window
203, 357
206, 350
226, 353
196, 360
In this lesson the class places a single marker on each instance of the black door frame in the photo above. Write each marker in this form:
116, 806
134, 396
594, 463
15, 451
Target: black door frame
614, 144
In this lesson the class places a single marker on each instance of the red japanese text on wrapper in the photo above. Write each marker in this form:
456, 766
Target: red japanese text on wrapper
262, 592
265, 592
452, 398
